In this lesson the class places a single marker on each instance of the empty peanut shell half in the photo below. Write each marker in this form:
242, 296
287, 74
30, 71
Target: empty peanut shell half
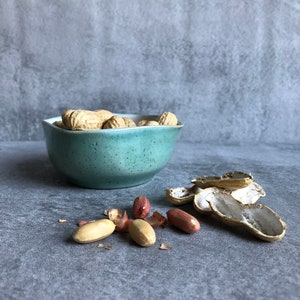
182, 195
249, 194
200, 200
258, 219
231, 180
246, 195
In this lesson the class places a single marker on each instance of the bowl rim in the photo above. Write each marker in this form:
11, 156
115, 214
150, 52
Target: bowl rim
49, 122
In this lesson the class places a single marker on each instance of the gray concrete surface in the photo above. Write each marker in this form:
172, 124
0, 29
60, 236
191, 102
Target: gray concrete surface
228, 69
40, 261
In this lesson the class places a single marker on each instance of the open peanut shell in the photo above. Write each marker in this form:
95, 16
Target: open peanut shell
182, 195
200, 200
247, 195
231, 180
258, 219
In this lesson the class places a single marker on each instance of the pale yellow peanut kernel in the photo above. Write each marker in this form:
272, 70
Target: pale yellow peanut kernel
142, 233
94, 231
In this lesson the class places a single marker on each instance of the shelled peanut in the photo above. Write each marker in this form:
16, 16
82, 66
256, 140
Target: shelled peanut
142, 233
141, 227
81, 119
141, 207
94, 231
183, 221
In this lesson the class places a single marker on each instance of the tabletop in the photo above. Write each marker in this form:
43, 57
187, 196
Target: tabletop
39, 259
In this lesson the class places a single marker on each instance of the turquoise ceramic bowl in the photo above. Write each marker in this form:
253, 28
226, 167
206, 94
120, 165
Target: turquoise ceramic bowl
110, 158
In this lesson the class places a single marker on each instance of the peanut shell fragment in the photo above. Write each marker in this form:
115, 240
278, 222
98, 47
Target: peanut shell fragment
165, 246
200, 200
231, 180
182, 195
249, 194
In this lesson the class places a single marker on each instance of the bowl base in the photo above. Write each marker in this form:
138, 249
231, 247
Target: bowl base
108, 185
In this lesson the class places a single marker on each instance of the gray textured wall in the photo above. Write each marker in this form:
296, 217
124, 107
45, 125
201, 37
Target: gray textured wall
229, 69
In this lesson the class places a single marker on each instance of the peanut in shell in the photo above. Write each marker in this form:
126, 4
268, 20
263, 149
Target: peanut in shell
167, 118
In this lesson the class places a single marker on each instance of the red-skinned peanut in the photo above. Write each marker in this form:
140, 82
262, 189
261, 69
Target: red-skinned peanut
183, 220
141, 207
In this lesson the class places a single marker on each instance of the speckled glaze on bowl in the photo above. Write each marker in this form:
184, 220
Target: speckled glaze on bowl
110, 158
